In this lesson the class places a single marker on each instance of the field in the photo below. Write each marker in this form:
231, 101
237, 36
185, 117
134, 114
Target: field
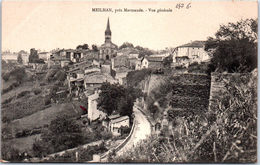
25, 112
22, 144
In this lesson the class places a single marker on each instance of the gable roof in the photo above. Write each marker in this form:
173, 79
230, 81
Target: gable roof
117, 120
154, 59
197, 44
98, 78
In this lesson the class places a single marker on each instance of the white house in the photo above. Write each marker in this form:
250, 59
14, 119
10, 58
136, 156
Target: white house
93, 112
45, 56
152, 62
190, 53
116, 123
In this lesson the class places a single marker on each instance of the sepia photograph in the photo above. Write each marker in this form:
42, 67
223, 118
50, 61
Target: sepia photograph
129, 81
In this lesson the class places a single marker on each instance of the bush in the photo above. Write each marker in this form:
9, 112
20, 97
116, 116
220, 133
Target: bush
37, 91
6, 76
135, 77
7, 100
23, 93
11, 154
125, 130
47, 100
12, 86
193, 64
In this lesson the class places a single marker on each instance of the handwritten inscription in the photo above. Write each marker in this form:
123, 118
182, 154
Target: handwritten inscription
178, 6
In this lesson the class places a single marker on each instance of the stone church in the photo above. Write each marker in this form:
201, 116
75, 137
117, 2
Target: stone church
108, 49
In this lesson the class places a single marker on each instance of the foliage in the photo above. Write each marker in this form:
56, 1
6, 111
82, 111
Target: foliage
37, 91
226, 134
117, 98
20, 109
18, 73
167, 62
12, 86
10, 153
84, 154
135, 77
22, 94
95, 48
34, 57
57, 75
144, 51
234, 47
126, 45
63, 133
6, 76
84, 46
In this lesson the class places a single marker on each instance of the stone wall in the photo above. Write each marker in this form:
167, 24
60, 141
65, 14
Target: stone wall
190, 92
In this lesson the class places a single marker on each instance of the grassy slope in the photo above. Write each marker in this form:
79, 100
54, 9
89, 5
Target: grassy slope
43, 117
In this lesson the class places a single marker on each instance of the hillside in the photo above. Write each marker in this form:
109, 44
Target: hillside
192, 132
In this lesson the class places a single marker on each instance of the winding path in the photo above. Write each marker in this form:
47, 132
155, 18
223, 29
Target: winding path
141, 131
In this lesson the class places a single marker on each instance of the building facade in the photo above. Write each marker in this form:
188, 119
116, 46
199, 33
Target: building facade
108, 49
93, 112
189, 53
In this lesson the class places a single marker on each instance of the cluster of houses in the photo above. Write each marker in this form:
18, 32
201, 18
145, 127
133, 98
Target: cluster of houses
88, 69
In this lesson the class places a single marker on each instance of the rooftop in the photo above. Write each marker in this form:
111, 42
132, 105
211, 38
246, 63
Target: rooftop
117, 120
98, 78
154, 59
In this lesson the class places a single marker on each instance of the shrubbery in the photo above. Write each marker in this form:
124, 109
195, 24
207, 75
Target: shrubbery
37, 91
12, 86
135, 77
23, 93
225, 134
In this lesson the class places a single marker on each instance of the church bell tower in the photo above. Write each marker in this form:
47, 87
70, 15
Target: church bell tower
108, 32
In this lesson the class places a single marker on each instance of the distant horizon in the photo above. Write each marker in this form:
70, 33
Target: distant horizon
47, 25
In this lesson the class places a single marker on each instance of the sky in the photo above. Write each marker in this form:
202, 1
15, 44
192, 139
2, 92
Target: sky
47, 25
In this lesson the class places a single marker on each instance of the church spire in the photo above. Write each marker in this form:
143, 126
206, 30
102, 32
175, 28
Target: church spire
108, 32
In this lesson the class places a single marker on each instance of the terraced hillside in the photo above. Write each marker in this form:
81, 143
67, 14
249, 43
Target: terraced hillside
190, 92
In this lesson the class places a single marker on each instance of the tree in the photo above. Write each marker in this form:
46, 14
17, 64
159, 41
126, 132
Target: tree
167, 62
84, 46
116, 98
94, 48
126, 45
144, 51
33, 57
19, 59
109, 97
63, 133
234, 48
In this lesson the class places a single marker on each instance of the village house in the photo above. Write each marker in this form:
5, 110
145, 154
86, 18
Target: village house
106, 67
95, 80
75, 80
120, 61
58, 61
116, 123
189, 53
152, 62
9, 57
93, 112
138, 63
25, 57
92, 69
45, 56
113, 122
121, 74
